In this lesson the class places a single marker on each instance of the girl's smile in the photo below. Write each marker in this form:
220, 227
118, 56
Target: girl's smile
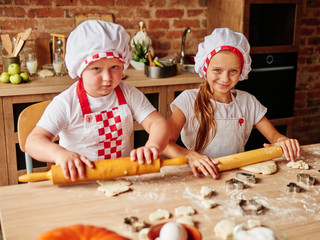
223, 74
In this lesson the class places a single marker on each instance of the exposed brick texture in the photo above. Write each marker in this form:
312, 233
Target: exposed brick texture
165, 21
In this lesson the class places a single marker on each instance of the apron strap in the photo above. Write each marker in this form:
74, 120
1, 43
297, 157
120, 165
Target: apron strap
83, 99
121, 98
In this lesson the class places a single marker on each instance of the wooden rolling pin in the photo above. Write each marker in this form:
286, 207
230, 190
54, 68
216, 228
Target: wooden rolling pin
249, 157
104, 169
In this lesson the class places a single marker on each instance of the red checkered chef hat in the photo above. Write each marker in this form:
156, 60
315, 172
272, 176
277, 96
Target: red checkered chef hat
93, 40
223, 39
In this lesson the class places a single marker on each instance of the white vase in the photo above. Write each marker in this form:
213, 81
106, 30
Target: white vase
137, 65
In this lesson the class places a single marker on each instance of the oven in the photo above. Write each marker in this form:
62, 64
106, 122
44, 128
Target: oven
272, 81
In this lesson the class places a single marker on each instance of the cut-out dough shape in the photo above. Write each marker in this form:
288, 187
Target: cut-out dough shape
298, 165
267, 167
224, 229
184, 211
206, 192
160, 214
113, 187
188, 220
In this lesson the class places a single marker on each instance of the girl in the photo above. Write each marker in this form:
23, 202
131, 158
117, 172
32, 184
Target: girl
216, 120
94, 117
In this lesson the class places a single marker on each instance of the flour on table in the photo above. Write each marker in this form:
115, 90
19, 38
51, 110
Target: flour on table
113, 187
184, 211
160, 214
224, 229
188, 220
267, 167
298, 165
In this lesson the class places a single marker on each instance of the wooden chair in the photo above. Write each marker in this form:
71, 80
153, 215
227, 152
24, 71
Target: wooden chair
27, 121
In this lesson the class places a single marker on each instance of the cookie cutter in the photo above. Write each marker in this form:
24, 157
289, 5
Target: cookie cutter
234, 184
247, 177
251, 207
306, 179
293, 187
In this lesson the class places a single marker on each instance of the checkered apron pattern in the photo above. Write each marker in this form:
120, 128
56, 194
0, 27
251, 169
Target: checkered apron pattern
108, 124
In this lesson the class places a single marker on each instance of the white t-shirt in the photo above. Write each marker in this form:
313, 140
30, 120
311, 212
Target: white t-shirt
251, 109
63, 116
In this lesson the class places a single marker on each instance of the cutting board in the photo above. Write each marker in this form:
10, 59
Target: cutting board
43, 51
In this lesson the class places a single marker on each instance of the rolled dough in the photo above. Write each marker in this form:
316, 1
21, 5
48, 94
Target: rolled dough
298, 165
113, 187
267, 167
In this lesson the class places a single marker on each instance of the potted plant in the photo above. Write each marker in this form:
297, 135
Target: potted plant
139, 54
140, 46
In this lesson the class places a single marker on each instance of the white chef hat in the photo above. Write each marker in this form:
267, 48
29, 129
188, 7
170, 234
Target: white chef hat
94, 40
222, 39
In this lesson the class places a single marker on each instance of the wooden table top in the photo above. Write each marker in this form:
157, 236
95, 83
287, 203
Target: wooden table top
55, 84
27, 210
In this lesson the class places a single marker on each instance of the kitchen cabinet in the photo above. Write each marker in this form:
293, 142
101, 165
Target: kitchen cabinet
271, 26
14, 98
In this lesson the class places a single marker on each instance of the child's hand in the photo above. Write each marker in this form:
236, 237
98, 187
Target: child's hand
144, 154
204, 164
72, 164
290, 147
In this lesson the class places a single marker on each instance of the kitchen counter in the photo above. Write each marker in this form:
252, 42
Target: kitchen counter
27, 210
135, 78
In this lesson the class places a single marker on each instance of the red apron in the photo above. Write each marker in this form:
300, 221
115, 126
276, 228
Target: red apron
106, 134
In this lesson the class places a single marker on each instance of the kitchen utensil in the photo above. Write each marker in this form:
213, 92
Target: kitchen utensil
6, 42
104, 169
249, 157
160, 72
18, 48
21, 39
7, 60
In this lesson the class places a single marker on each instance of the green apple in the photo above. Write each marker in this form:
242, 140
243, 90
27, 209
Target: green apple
5, 77
24, 76
15, 78
13, 69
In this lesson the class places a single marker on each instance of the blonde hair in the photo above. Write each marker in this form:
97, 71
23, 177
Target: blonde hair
204, 114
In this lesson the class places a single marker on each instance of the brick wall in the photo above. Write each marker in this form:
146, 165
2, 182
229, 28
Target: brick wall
165, 22
307, 98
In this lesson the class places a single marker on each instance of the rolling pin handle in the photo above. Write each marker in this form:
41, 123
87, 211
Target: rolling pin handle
35, 177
